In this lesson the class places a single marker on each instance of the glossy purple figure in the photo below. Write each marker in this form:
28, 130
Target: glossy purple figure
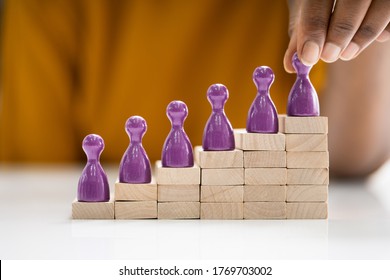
218, 133
177, 149
135, 165
93, 183
262, 115
303, 99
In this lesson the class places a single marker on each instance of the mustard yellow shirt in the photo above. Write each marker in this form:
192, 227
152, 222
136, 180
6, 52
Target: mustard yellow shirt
70, 68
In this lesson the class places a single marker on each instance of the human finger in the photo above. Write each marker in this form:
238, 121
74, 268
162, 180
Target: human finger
385, 35
345, 21
374, 23
291, 49
312, 28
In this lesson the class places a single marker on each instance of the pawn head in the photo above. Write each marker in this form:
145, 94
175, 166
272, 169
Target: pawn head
93, 146
299, 67
263, 77
177, 112
136, 127
217, 94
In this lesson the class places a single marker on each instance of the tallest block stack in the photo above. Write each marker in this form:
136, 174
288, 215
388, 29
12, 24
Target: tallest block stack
307, 166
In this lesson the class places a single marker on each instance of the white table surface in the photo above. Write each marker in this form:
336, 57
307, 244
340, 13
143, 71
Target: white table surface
35, 223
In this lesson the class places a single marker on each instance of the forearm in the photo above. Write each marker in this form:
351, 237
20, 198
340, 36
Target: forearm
357, 102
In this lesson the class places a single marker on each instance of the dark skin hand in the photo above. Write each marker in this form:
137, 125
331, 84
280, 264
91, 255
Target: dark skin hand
318, 31
356, 97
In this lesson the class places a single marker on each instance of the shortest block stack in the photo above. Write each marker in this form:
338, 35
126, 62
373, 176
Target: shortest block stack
222, 179
265, 174
307, 166
178, 192
135, 201
93, 210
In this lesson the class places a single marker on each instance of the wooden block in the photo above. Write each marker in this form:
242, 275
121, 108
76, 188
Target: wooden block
218, 159
222, 193
177, 176
93, 210
264, 210
178, 193
178, 210
259, 141
306, 125
265, 176
310, 176
307, 142
127, 210
264, 193
307, 159
223, 176
307, 193
264, 159
135, 192
281, 120
307, 210
222, 211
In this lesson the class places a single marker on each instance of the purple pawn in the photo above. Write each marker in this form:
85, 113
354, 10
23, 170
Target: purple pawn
177, 149
262, 115
135, 165
303, 99
218, 134
93, 183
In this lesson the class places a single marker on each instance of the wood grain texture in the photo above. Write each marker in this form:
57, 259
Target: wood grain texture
264, 193
222, 211
307, 142
309, 176
135, 192
178, 193
307, 159
259, 141
222, 193
265, 176
177, 176
281, 120
307, 193
128, 210
306, 125
264, 159
218, 159
264, 210
93, 210
223, 176
178, 210
307, 210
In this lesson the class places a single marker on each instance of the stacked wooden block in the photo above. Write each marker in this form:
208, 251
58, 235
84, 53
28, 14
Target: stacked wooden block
93, 210
222, 180
178, 192
136, 201
265, 174
307, 166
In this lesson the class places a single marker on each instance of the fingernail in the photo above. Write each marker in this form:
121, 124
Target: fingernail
310, 53
330, 53
350, 51
384, 36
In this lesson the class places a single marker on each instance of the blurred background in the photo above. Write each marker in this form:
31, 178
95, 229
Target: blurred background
70, 68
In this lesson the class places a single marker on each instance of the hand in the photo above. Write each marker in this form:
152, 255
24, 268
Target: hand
327, 30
